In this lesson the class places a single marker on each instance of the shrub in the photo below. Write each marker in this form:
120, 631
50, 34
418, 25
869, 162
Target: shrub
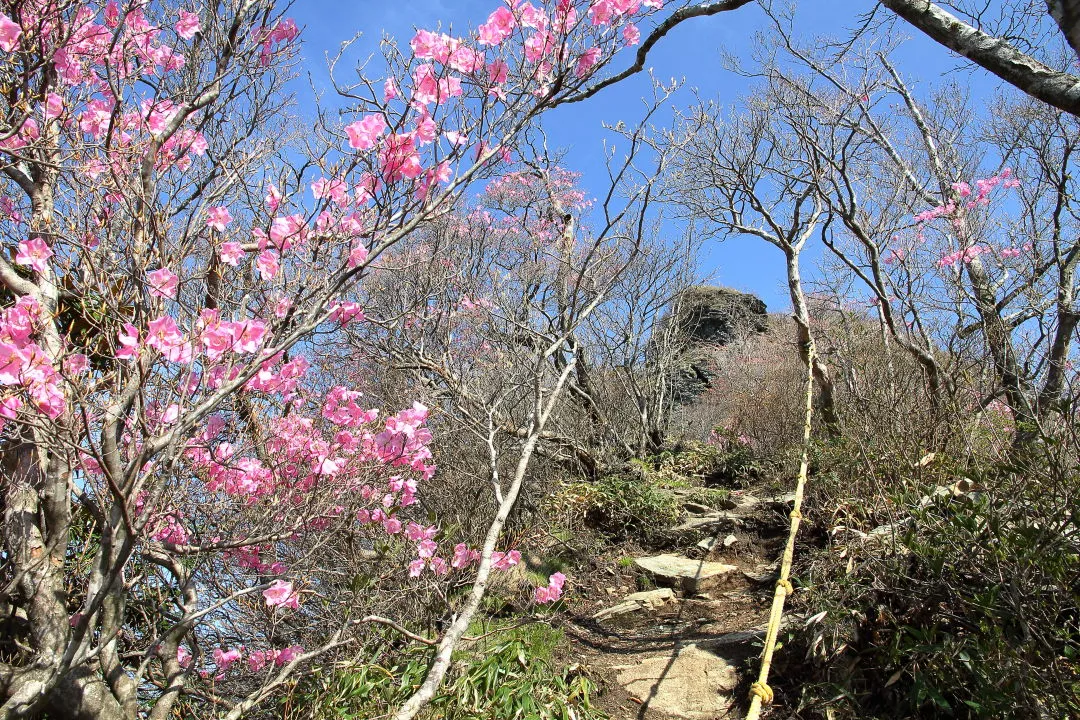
967, 607
624, 506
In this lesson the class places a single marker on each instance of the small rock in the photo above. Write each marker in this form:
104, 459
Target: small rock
697, 509
689, 576
635, 602
711, 543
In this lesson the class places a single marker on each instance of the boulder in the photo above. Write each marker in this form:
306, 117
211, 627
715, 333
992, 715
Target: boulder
684, 574
687, 683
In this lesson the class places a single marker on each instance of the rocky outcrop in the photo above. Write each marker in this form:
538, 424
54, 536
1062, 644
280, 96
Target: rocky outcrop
719, 316
708, 316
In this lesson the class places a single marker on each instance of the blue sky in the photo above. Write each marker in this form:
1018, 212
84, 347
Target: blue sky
692, 51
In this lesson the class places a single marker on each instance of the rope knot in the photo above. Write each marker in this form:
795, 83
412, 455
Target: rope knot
786, 586
763, 691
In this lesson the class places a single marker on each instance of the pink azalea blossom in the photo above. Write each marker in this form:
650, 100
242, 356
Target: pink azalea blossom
9, 33
54, 106
346, 313
267, 264
33, 253
223, 659
357, 256
183, 656
129, 342
390, 91
164, 336
231, 253
499, 26
218, 217
163, 283
587, 61
631, 35
76, 364
281, 593
363, 134
188, 25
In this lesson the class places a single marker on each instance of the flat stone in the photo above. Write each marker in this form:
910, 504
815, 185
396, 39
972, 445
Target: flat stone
713, 520
697, 509
636, 602
682, 573
687, 683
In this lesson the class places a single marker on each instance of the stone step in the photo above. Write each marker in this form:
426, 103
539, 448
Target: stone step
684, 574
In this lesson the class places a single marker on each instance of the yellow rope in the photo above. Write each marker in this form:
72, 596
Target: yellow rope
760, 692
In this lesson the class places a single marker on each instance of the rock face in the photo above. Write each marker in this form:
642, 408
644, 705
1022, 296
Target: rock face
688, 683
719, 316
709, 316
682, 573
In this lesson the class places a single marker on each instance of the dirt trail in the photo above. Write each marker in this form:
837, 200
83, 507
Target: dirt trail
692, 653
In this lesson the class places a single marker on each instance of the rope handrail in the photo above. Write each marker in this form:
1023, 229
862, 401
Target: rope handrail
760, 692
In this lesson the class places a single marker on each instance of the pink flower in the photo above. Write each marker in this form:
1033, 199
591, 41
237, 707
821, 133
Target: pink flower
505, 561
499, 26
585, 63
400, 159
188, 25
463, 556
76, 364
357, 256
539, 46
281, 592
165, 337
223, 659
231, 253
54, 106
281, 657
183, 656
218, 217
9, 33
631, 35
9, 407
267, 264
163, 283
346, 313
390, 91
273, 198
364, 133
553, 591
129, 342
416, 567
33, 253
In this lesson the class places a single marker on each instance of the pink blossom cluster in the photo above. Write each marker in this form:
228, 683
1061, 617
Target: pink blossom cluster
25, 367
984, 186
261, 658
250, 557
963, 256
553, 591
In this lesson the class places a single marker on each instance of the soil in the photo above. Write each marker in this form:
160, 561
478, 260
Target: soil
727, 622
